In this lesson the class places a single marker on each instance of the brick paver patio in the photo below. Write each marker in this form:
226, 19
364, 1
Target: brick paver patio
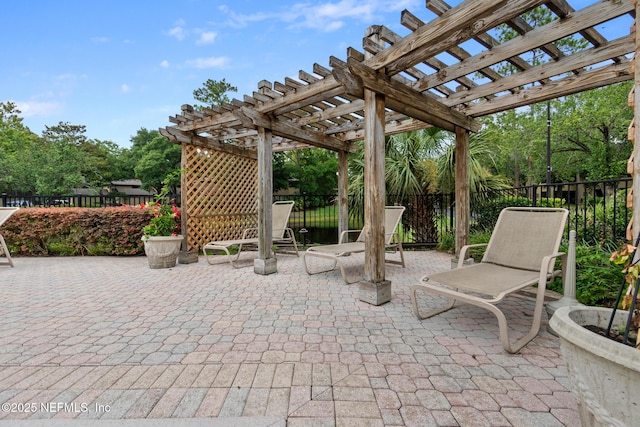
109, 338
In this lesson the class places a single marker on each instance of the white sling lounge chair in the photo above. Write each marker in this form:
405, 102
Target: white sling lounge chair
280, 212
392, 216
5, 213
521, 252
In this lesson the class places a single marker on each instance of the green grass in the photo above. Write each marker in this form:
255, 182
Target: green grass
323, 217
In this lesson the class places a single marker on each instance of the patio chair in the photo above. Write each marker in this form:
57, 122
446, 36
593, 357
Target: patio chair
280, 212
392, 216
521, 252
5, 213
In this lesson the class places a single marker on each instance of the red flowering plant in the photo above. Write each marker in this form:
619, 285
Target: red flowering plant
166, 214
165, 221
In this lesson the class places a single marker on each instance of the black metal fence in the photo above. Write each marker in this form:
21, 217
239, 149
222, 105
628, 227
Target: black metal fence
79, 200
597, 211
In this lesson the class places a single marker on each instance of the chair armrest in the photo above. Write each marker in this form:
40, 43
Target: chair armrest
548, 262
247, 231
346, 233
465, 249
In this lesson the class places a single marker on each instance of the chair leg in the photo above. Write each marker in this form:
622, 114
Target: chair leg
344, 274
394, 262
503, 328
5, 250
231, 259
336, 263
431, 313
306, 267
293, 240
401, 255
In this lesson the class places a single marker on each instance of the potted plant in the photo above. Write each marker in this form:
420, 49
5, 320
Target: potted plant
162, 238
602, 361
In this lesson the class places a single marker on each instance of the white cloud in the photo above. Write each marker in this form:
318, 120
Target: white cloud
327, 16
238, 20
164, 64
177, 30
207, 37
125, 88
100, 39
37, 108
211, 62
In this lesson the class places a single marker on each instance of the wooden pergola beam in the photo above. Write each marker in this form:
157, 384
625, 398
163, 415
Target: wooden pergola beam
409, 51
400, 98
253, 118
179, 136
581, 59
604, 76
555, 30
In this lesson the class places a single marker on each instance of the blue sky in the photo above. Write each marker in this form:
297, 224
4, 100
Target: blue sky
118, 66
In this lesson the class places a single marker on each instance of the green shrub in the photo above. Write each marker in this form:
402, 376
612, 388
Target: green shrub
486, 213
603, 223
597, 279
76, 231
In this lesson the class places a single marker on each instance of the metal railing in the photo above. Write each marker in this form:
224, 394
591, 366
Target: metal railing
597, 211
79, 200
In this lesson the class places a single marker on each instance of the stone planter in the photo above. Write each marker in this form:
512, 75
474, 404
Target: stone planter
604, 374
162, 251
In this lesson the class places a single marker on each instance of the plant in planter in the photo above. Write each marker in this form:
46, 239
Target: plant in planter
603, 368
626, 257
162, 238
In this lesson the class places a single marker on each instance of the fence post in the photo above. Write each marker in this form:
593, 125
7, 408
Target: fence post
535, 195
304, 210
4, 199
79, 204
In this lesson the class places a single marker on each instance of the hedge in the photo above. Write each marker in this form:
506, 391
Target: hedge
76, 231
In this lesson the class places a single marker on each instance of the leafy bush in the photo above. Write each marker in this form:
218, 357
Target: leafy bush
76, 231
603, 223
486, 213
597, 279
447, 243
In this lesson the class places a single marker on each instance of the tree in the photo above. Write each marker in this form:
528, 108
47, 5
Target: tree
213, 93
533, 125
590, 134
17, 145
158, 157
102, 163
409, 171
481, 180
314, 170
59, 161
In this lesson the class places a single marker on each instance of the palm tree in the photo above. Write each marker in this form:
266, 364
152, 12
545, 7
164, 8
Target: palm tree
410, 170
422, 162
481, 180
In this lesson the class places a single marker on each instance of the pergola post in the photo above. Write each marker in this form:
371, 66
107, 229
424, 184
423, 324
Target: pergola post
374, 289
343, 192
462, 189
266, 262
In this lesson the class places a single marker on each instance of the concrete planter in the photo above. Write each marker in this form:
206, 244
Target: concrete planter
604, 374
162, 251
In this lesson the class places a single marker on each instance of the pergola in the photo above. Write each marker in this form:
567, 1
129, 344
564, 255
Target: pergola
444, 73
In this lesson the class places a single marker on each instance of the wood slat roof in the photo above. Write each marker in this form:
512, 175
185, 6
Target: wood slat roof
445, 73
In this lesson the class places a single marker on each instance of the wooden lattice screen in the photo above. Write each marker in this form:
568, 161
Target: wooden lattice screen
220, 195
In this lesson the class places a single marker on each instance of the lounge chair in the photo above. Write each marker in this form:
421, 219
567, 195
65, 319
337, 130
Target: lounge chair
280, 212
521, 252
392, 216
5, 213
